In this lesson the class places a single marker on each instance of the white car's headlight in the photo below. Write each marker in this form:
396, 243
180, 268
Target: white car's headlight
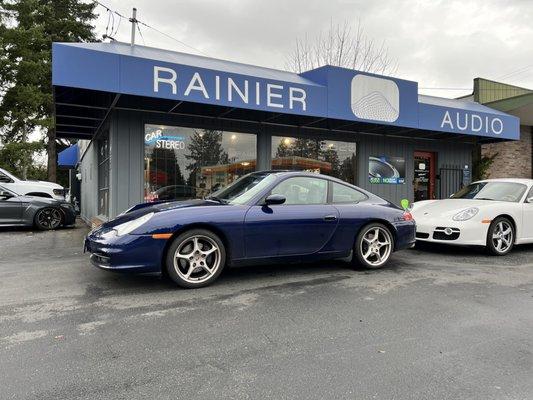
467, 214
130, 226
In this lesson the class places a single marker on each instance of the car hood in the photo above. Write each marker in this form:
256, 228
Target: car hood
38, 200
51, 185
438, 208
145, 208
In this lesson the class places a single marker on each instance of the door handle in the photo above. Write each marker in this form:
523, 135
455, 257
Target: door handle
330, 218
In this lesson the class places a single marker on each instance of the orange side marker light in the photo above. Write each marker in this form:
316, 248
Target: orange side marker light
161, 235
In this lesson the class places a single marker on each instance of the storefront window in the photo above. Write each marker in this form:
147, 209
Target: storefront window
103, 175
184, 163
329, 157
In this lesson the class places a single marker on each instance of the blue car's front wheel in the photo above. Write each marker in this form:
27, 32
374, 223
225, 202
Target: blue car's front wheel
195, 258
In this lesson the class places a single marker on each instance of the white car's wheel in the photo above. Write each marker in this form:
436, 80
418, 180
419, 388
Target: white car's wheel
501, 236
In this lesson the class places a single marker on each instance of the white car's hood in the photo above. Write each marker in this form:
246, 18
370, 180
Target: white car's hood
448, 207
44, 184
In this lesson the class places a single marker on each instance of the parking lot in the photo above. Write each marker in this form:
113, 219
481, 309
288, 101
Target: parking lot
443, 323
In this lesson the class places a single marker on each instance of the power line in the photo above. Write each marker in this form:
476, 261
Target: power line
141, 34
515, 72
173, 38
148, 26
109, 9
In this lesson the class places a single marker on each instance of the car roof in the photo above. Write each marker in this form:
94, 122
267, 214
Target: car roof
286, 172
525, 181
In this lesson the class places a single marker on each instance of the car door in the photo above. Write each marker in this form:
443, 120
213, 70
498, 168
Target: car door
10, 208
302, 225
527, 217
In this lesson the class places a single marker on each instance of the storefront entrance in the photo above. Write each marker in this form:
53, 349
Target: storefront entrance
424, 181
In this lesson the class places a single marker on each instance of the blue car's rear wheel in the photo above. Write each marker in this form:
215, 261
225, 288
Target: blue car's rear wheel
195, 258
373, 246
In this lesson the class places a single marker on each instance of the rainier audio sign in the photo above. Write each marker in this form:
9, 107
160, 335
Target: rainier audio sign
454, 120
229, 89
463, 121
326, 92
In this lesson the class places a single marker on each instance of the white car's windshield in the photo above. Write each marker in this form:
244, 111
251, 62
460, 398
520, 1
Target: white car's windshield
495, 191
243, 189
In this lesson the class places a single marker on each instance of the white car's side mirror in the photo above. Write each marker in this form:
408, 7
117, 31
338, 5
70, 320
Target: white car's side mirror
529, 200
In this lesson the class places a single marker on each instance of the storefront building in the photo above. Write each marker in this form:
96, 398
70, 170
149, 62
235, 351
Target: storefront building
155, 124
512, 159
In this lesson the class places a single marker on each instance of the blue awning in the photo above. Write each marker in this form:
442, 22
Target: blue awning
159, 80
69, 157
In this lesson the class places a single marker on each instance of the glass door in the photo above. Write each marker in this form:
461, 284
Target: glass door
424, 182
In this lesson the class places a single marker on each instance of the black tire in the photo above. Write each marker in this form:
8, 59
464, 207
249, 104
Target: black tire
360, 248
48, 218
504, 243
178, 267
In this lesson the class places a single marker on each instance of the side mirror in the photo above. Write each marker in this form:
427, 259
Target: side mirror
275, 199
5, 195
529, 200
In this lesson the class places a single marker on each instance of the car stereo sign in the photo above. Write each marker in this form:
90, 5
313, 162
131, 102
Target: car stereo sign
164, 142
389, 170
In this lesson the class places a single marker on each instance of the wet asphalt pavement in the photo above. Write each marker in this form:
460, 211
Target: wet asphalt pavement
443, 323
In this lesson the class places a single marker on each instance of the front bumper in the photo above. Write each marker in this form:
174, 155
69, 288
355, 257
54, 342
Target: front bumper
128, 253
69, 216
465, 233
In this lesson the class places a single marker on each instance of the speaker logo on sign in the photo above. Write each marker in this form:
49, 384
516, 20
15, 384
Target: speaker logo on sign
375, 99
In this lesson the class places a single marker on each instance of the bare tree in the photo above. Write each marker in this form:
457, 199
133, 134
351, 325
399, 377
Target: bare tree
342, 46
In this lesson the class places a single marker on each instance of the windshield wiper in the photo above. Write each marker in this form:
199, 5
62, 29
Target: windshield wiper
217, 199
483, 198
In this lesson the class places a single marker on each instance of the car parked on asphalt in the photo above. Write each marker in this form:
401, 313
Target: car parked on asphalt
493, 213
31, 188
268, 216
41, 212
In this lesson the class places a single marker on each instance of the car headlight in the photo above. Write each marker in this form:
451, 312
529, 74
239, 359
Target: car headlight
467, 214
59, 192
130, 226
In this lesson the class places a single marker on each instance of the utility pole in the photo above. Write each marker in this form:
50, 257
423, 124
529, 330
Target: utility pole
133, 21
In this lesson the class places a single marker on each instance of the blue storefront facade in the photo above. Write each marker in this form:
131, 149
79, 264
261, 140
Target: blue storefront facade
156, 124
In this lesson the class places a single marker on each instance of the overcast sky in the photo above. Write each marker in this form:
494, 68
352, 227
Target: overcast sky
440, 44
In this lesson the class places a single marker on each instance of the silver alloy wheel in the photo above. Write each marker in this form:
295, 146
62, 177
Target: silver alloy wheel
49, 218
502, 236
197, 258
376, 246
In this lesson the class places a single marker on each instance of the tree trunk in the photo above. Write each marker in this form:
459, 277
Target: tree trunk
52, 156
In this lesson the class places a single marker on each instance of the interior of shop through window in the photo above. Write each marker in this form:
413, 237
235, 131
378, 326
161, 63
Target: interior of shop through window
329, 157
183, 163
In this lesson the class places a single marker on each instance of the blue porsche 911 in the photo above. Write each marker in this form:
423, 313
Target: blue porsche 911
268, 216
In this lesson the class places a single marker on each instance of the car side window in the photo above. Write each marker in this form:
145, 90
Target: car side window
344, 194
303, 190
530, 194
4, 178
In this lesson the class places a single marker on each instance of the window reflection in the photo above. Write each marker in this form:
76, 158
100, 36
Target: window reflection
329, 157
183, 163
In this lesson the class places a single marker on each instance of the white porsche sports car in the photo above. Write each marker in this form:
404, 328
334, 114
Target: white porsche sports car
494, 213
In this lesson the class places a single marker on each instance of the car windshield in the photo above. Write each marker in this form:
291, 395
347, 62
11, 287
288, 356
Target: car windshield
243, 189
3, 189
495, 191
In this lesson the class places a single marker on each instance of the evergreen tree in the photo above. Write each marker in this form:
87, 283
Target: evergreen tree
164, 160
27, 30
331, 156
205, 149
